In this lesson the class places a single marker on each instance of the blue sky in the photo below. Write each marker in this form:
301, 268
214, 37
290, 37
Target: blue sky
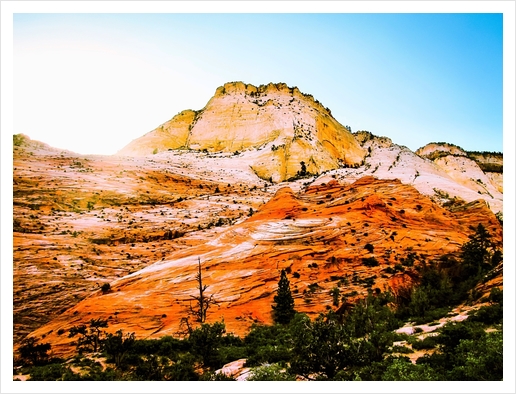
94, 82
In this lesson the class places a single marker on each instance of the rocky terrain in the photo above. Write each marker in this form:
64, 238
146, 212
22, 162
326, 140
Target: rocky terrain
235, 197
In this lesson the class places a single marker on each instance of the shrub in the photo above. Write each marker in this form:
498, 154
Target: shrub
496, 296
18, 139
34, 353
118, 345
370, 262
205, 342
268, 344
401, 349
402, 370
427, 343
369, 248
270, 372
51, 372
490, 314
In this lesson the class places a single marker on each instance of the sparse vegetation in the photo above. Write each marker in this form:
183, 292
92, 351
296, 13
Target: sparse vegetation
18, 139
370, 262
369, 247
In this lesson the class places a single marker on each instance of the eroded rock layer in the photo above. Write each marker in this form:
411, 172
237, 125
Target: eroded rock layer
318, 235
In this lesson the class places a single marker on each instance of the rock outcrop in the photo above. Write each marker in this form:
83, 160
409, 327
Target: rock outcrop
444, 172
478, 171
282, 125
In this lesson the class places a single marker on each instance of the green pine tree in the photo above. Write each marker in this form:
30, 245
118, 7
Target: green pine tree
284, 310
476, 253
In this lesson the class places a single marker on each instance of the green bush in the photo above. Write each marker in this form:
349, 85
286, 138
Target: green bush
270, 372
490, 314
232, 353
50, 372
427, 343
466, 352
268, 344
402, 349
151, 368
479, 359
331, 342
18, 139
401, 370
182, 369
370, 261
205, 342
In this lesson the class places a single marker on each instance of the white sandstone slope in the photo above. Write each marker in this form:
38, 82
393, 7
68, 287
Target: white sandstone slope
449, 178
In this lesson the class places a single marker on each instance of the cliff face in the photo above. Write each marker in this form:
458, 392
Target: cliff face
282, 125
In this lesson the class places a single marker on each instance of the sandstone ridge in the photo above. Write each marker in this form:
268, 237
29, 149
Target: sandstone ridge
483, 168
280, 125
444, 172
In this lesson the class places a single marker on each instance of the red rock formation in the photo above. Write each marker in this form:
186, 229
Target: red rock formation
318, 235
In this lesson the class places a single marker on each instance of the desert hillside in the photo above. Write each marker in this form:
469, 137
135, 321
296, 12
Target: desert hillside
142, 225
261, 179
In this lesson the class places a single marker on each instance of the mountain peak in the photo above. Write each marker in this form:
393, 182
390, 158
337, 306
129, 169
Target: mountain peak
279, 126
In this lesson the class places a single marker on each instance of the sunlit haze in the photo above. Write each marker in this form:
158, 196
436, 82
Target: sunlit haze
91, 83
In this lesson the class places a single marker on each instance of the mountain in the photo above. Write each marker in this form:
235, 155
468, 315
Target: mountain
142, 221
280, 124
318, 235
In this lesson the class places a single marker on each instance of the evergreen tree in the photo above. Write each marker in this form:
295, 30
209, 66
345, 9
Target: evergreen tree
476, 253
34, 353
284, 310
92, 337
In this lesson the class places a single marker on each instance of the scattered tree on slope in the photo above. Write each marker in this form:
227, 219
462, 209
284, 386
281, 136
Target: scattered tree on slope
283, 311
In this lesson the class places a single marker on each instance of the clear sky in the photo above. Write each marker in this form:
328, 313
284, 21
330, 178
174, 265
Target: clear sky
91, 83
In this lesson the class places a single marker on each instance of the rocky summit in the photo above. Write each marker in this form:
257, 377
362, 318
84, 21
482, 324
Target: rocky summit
262, 179
281, 124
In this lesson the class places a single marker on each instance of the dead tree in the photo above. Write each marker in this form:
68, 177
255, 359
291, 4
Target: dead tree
203, 302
